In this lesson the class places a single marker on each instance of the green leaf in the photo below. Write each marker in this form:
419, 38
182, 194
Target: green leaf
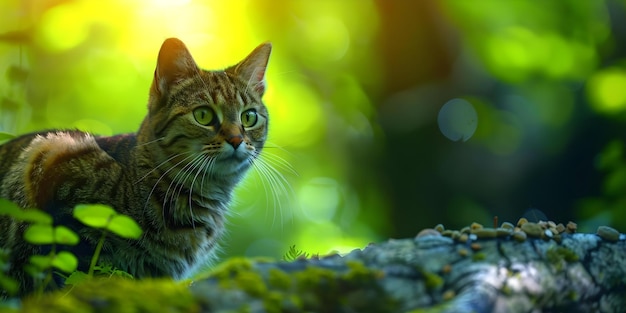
65, 261
9, 208
6, 136
294, 254
27, 215
34, 271
94, 215
76, 278
8, 284
35, 216
41, 261
124, 226
65, 236
39, 234
108, 270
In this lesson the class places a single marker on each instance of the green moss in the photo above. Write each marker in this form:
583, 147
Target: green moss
506, 290
573, 296
116, 295
479, 256
360, 273
557, 256
231, 267
437, 308
432, 280
279, 279
277, 302
568, 254
310, 289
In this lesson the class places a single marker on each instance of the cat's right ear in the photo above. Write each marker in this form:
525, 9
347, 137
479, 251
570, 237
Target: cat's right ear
174, 64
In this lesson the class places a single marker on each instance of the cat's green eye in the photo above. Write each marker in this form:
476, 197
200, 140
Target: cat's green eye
204, 115
249, 118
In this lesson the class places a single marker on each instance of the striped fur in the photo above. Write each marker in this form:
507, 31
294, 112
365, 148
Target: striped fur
175, 176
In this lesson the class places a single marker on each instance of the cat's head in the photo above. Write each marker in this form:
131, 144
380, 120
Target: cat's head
214, 120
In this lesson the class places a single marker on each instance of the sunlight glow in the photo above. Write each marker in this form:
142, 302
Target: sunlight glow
63, 27
517, 53
607, 90
319, 198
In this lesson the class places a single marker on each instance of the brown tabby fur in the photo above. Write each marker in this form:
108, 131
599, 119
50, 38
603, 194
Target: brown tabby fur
175, 176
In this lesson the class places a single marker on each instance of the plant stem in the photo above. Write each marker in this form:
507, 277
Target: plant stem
96, 254
46, 280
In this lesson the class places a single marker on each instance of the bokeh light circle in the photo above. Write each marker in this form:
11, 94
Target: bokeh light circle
457, 120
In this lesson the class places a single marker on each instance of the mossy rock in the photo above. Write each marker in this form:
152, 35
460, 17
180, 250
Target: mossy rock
116, 295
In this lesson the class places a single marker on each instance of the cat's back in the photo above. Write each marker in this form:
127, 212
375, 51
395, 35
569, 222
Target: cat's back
10, 150
36, 166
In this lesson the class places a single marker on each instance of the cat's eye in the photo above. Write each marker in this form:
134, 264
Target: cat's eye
249, 118
204, 115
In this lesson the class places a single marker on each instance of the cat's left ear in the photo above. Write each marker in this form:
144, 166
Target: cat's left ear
252, 68
174, 65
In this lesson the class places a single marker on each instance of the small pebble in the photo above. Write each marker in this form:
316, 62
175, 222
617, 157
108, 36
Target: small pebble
465, 230
446, 269
447, 233
571, 227
521, 222
560, 228
440, 228
543, 224
519, 236
504, 232
456, 234
448, 295
608, 233
428, 232
553, 230
532, 229
548, 233
475, 226
485, 232
476, 246
463, 252
463, 237
507, 225
472, 237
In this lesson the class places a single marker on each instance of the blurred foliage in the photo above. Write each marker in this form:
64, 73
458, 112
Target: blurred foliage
355, 88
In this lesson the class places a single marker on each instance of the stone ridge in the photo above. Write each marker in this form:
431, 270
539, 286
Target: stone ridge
438, 270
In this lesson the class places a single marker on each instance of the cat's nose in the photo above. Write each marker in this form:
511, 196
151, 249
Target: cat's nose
235, 140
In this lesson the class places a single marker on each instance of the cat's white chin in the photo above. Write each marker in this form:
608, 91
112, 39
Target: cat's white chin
232, 165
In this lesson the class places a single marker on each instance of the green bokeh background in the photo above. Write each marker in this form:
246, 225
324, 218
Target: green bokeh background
354, 92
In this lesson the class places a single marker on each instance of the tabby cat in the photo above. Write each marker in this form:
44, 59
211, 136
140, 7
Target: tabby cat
175, 176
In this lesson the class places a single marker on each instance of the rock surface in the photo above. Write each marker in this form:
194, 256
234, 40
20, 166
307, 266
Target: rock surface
433, 273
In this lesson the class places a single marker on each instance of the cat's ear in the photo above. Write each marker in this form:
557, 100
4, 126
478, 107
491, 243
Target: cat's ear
252, 68
174, 64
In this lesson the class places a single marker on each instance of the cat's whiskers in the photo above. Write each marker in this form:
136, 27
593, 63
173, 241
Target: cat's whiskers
163, 175
273, 181
201, 169
150, 142
161, 164
279, 161
178, 182
208, 168
196, 166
